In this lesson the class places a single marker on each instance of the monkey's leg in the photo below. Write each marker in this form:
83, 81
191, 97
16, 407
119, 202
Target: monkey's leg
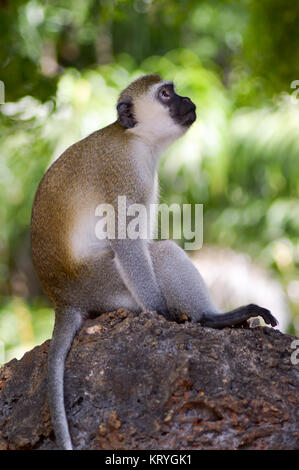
67, 322
185, 290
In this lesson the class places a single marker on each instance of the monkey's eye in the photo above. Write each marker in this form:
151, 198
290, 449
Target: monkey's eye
165, 94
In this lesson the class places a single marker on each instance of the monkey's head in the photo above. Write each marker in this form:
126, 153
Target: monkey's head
150, 107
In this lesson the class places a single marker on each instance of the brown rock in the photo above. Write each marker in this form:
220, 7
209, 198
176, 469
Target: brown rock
141, 382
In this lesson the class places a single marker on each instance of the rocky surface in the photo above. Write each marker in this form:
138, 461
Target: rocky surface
141, 382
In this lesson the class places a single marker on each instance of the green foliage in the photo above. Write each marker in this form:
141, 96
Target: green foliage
23, 325
63, 64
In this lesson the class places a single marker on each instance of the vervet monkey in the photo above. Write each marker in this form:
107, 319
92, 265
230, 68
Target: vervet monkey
83, 275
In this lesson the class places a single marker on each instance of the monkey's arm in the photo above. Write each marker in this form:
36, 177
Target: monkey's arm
135, 267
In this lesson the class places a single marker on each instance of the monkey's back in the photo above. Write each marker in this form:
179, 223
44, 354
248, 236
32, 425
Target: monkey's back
63, 214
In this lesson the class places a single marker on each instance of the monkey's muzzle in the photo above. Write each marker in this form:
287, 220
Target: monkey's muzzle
187, 112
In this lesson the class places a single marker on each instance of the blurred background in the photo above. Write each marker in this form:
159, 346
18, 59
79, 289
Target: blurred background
63, 63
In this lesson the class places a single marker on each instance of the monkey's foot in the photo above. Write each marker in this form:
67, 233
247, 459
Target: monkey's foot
237, 316
257, 311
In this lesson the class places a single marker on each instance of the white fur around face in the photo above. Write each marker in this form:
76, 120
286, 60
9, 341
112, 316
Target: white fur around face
155, 125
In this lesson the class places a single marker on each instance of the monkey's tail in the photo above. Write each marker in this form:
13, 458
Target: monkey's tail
67, 322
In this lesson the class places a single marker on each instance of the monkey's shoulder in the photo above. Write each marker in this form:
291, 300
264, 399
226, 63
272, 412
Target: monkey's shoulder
88, 158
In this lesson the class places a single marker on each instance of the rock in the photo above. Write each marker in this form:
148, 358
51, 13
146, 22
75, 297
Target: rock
141, 382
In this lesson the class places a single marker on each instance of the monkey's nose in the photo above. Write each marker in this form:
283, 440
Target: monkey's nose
188, 105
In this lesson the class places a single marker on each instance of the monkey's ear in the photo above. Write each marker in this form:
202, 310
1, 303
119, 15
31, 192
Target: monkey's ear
125, 113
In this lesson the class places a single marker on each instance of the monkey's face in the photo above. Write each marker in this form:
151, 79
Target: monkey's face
181, 108
155, 112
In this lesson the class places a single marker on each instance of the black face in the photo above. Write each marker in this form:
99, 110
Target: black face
181, 108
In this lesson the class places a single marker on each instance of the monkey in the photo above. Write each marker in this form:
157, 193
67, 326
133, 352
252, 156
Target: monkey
84, 275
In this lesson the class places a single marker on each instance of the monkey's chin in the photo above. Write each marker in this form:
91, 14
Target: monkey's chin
188, 119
